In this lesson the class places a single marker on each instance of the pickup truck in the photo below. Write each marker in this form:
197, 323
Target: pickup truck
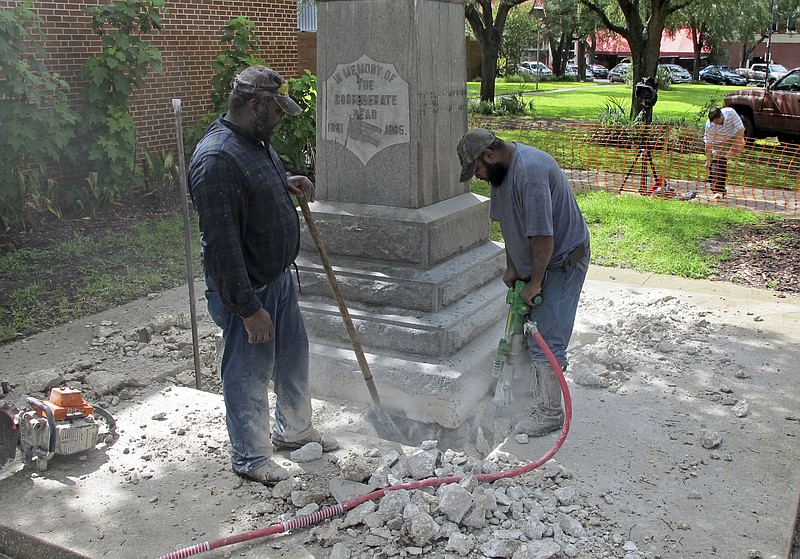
772, 111
757, 73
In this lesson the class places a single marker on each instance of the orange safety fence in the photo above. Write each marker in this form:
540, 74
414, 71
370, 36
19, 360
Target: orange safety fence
659, 160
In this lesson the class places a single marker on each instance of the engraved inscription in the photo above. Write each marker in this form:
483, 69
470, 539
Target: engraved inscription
366, 107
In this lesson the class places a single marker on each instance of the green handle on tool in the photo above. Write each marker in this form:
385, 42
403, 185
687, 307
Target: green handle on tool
517, 303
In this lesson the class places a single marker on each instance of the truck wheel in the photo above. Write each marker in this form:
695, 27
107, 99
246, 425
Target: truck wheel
749, 129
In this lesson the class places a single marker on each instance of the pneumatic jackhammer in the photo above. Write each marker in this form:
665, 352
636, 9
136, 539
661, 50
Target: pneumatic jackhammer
512, 344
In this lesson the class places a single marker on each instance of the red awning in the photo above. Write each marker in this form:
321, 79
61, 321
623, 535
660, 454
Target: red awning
679, 45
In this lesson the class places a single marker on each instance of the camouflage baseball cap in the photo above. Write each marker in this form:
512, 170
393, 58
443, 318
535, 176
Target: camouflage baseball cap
258, 79
470, 148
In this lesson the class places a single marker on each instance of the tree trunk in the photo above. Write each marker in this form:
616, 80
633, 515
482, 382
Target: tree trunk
697, 45
489, 51
645, 52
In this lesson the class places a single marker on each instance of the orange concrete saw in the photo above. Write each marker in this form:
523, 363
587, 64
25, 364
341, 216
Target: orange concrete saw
63, 424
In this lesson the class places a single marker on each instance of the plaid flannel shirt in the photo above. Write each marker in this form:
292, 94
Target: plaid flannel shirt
249, 227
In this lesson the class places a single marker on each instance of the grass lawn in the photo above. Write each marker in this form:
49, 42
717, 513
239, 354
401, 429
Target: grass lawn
683, 102
650, 235
523, 88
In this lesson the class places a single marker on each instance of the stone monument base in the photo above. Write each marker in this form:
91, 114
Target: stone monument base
421, 288
444, 391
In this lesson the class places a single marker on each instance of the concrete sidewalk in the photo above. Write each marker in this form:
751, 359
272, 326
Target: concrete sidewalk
637, 450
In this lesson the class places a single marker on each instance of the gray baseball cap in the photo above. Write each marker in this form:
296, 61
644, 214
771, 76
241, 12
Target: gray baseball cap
260, 79
470, 148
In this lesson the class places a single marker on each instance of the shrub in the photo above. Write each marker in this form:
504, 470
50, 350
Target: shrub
296, 137
240, 32
507, 105
34, 107
107, 131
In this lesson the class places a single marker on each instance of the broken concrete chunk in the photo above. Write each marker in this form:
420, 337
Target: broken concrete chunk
710, 439
419, 527
307, 453
741, 408
571, 526
454, 502
422, 463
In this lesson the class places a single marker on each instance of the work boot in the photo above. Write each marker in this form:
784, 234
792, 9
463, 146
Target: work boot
268, 474
547, 414
310, 435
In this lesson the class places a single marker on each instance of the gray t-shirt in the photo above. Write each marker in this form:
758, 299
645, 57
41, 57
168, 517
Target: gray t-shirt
536, 199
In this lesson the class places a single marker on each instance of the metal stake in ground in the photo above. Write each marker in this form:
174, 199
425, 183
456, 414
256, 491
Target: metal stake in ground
187, 237
383, 424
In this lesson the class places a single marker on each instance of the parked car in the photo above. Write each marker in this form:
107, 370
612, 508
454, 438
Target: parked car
757, 73
721, 75
572, 70
677, 74
534, 68
619, 72
599, 71
774, 111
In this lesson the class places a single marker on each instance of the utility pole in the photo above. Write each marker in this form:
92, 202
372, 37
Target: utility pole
769, 39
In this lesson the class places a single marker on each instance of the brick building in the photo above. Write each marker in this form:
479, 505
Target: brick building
188, 41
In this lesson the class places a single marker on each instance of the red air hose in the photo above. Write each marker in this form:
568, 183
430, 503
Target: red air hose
335, 510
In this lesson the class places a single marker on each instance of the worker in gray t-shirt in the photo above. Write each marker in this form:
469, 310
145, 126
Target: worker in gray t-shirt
547, 246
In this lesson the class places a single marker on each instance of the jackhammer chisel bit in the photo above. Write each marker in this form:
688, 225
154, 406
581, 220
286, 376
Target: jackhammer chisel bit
511, 344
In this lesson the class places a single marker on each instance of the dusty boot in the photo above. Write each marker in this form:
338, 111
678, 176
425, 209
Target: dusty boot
547, 415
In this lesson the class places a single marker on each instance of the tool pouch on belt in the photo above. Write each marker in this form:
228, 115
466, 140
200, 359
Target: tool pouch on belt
573, 257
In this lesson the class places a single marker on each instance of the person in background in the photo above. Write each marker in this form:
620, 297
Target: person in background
250, 235
724, 138
547, 246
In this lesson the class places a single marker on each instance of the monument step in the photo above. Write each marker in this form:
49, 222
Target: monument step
442, 391
426, 334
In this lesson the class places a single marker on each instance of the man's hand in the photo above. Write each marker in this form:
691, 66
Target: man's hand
708, 164
530, 291
259, 327
302, 187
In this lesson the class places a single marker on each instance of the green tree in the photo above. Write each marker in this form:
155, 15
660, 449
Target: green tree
643, 27
753, 29
565, 22
522, 31
488, 25
37, 120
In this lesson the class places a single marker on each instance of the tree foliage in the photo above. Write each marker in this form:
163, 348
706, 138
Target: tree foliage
107, 131
488, 24
567, 21
240, 36
643, 27
37, 120
521, 33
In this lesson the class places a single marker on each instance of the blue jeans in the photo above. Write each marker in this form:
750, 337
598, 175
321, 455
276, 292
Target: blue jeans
248, 368
555, 316
718, 173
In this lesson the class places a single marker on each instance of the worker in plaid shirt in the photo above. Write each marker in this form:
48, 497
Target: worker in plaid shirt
250, 235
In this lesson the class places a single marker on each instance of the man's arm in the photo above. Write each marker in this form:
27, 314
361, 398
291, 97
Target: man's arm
510, 275
541, 253
709, 147
737, 144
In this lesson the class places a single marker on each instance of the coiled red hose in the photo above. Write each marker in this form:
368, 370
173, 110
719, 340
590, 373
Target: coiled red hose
335, 510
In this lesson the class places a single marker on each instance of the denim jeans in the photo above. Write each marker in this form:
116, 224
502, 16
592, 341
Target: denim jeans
718, 173
555, 316
248, 368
